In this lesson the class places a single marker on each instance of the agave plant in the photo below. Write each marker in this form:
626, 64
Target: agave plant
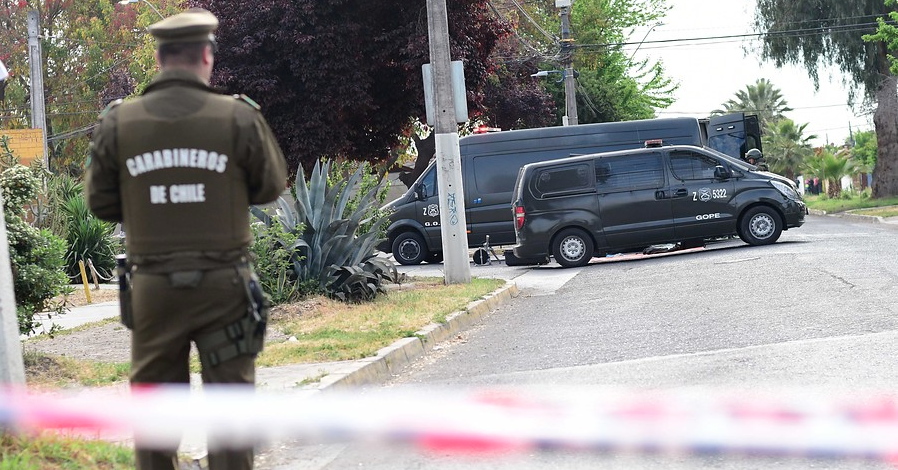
89, 238
330, 248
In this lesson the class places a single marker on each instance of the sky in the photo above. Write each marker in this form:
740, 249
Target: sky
711, 73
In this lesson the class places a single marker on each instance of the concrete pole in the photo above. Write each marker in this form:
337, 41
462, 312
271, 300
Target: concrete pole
38, 112
570, 89
456, 267
12, 367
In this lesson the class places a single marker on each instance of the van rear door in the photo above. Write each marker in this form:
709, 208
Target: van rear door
733, 134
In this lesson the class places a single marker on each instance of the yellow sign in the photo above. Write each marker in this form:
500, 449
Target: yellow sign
27, 144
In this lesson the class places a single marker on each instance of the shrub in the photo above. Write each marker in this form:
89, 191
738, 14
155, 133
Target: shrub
88, 238
37, 256
273, 254
330, 248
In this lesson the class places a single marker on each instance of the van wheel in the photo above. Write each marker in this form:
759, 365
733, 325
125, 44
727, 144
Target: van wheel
572, 247
435, 258
409, 248
761, 225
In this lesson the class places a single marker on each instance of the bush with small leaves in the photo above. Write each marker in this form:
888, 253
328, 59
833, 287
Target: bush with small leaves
37, 256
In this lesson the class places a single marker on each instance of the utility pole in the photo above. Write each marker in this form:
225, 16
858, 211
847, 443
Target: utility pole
12, 367
38, 113
453, 223
570, 90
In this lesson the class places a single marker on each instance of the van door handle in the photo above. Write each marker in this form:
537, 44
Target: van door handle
681, 193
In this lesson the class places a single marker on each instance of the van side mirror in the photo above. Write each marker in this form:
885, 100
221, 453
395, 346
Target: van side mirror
420, 191
721, 173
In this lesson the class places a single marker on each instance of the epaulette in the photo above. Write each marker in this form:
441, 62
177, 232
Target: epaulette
248, 101
109, 106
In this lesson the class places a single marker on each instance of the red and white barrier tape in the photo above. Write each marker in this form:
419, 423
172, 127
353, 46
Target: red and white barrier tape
692, 420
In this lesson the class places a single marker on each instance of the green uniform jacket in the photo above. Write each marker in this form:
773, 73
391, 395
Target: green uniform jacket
179, 167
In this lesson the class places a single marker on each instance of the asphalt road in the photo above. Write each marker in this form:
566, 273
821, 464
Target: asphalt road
816, 311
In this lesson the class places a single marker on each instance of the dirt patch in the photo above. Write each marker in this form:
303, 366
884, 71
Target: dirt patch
107, 342
79, 299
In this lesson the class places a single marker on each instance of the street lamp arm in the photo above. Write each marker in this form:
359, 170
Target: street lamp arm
545, 73
153, 7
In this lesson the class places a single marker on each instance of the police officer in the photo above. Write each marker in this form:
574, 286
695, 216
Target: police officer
755, 157
179, 167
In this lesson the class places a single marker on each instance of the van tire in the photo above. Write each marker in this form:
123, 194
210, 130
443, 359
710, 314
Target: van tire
761, 225
409, 248
572, 248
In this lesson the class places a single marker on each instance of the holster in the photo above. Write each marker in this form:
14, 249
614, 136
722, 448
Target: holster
246, 336
123, 271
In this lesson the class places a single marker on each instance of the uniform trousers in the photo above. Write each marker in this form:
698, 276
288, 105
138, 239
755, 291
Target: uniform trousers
166, 319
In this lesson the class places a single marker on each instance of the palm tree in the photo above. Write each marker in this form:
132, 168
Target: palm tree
786, 147
830, 167
762, 99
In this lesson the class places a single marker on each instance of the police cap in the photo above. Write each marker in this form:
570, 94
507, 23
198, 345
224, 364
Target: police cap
193, 25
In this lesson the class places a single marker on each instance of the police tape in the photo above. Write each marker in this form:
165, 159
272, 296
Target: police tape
797, 423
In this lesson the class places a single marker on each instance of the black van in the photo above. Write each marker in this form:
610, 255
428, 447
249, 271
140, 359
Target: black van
579, 207
490, 164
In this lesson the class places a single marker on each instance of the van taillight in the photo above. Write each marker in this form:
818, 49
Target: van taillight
519, 217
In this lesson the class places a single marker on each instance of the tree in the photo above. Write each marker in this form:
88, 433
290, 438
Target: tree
610, 87
762, 98
92, 54
830, 165
864, 149
613, 87
512, 98
342, 78
786, 147
811, 32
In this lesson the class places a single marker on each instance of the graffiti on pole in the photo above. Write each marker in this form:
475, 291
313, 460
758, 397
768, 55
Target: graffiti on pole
453, 209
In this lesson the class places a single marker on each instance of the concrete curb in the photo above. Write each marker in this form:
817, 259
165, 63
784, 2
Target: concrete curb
871, 219
391, 359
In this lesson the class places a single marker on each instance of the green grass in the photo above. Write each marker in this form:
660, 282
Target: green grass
49, 371
823, 203
336, 331
889, 211
312, 380
53, 452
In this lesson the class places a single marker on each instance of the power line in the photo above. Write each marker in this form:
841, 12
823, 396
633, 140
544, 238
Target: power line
535, 24
98, 43
787, 33
70, 134
538, 53
756, 110
787, 23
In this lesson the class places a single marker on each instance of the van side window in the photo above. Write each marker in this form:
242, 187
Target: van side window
629, 173
692, 166
564, 179
429, 181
